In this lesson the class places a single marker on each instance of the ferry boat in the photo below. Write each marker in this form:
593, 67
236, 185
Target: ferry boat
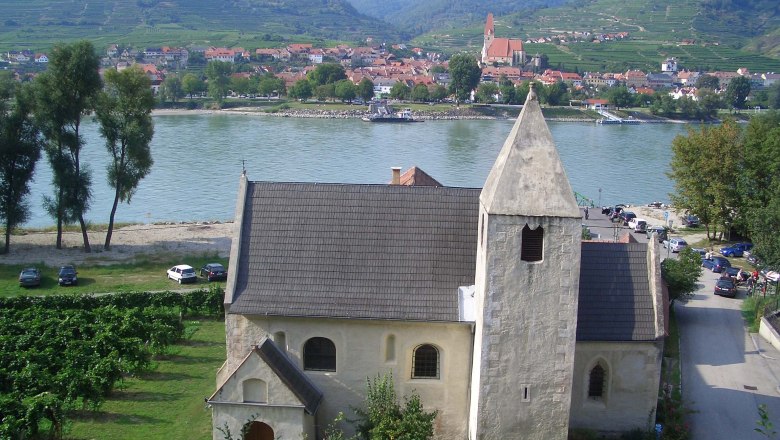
383, 112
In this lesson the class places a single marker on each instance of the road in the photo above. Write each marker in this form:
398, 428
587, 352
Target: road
726, 371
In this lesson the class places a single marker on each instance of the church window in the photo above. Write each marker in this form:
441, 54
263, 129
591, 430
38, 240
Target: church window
281, 340
425, 362
255, 390
596, 382
390, 349
319, 354
532, 244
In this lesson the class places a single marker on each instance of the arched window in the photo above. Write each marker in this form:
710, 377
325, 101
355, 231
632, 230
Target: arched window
281, 341
425, 362
532, 244
596, 381
255, 390
319, 354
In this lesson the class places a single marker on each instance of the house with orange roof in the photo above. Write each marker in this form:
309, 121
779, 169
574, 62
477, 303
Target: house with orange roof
636, 78
220, 54
501, 50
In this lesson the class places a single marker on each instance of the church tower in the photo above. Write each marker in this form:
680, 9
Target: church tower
490, 33
527, 282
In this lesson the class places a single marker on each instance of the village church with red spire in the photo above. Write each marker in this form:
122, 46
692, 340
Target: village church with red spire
507, 51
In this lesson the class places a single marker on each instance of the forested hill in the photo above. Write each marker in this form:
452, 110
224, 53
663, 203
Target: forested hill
33, 23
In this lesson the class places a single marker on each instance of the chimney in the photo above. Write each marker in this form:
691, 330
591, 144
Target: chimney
396, 176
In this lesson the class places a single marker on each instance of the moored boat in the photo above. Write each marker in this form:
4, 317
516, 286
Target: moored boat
383, 112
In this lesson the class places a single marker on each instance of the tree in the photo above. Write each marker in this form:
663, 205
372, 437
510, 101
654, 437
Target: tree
522, 90
327, 73
773, 96
681, 274
486, 92
438, 93
240, 85
124, 113
345, 90
554, 94
737, 92
705, 169
464, 75
301, 90
708, 82
20, 148
709, 103
191, 84
420, 93
619, 97
218, 74
171, 88
325, 91
269, 85
383, 418
64, 94
366, 89
400, 90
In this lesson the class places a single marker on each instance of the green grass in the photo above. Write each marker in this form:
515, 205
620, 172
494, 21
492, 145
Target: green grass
165, 403
147, 274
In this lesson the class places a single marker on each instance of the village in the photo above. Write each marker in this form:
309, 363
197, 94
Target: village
501, 59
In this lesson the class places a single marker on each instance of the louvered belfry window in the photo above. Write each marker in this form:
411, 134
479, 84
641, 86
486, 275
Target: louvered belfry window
532, 244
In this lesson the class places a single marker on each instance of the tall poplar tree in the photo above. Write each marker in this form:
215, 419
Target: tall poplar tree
124, 113
65, 93
20, 148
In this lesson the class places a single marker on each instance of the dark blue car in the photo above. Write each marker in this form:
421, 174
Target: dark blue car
736, 250
715, 264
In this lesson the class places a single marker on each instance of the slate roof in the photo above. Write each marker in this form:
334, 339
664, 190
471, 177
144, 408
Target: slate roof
291, 375
615, 302
355, 251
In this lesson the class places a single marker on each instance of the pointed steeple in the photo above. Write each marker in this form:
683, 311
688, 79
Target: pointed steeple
489, 30
528, 178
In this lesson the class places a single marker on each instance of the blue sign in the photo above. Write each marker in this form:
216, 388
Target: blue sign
666, 215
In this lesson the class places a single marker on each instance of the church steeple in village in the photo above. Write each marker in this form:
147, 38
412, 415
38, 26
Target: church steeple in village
527, 280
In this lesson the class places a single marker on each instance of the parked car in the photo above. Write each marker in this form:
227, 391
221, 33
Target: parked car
715, 264
183, 274
752, 259
726, 287
655, 204
30, 277
675, 244
67, 276
637, 224
605, 209
626, 216
701, 251
660, 233
770, 275
736, 249
690, 221
213, 272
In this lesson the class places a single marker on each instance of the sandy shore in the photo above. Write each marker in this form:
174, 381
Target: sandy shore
128, 244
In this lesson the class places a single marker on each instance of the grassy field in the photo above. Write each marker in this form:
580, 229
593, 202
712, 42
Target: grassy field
166, 403
149, 274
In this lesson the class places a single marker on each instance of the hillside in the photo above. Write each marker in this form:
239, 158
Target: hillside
724, 34
36, 24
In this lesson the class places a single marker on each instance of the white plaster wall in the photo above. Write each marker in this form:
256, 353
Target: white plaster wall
287, 423
360, 354
632, 381
255, 368
527, 331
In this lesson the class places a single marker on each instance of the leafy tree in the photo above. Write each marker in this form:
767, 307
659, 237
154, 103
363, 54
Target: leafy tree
218, 74
327, 73
709, 103
64, 94
438, 93
270, 84
705, 169
486, 92
681, 274
773, 96
688, 108
763, 223
663, 105
191, 84
301, 90
366, 89
521, 91
171, 89
325, 91
708, 82
20, 148
554, 94
506, 89
464, 75
737, 92
345, 90
7, 84
420, 93
400, 90
619, 97
240, 85
124, 114
383, 418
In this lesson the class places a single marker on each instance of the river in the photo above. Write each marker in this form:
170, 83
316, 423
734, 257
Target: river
198, 159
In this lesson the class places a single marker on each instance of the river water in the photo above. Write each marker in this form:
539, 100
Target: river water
198, 159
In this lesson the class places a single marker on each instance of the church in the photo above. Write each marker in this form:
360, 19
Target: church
507, 51
485, 302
